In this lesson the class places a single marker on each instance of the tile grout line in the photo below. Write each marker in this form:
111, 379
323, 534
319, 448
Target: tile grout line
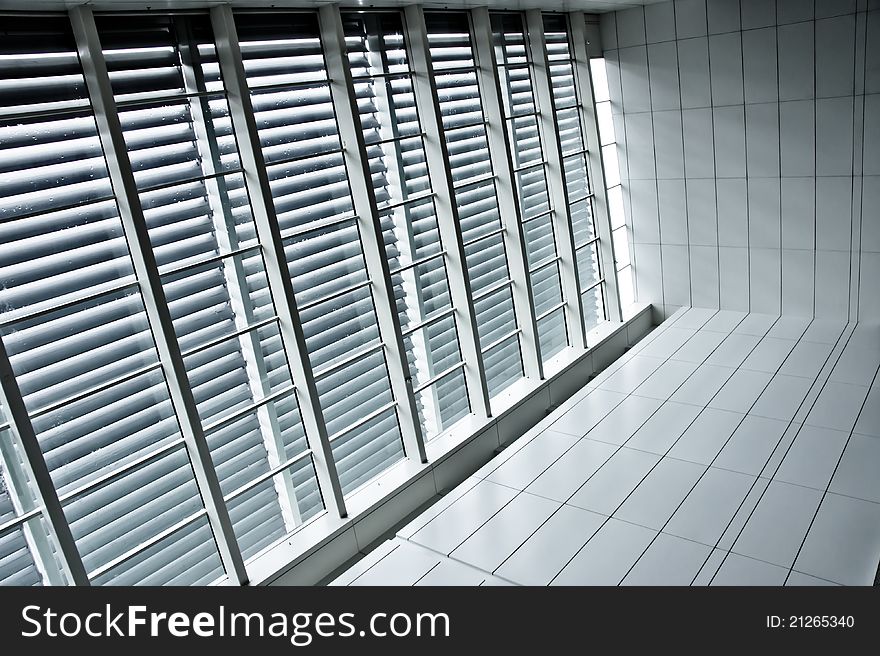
764, 491
828, 486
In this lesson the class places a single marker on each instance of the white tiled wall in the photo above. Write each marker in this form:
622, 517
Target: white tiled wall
749, 133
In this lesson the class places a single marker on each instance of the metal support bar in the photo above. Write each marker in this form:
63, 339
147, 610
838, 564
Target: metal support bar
499, 153
71, 562
595, 166
144, 261
364, 200
437, 156
269, 234
561, 215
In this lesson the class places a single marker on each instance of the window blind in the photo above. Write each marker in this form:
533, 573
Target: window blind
383, 86
521, 118
464, 130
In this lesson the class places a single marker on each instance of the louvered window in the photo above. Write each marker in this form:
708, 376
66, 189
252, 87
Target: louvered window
287, 76
570, 130
464, 130
404, 196
74, 326
521, 118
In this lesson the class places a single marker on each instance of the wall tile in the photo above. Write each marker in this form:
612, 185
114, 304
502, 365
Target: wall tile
704, 276
693, 62
634, 79
733, 225
630, 27
723, 16
730, 141
871, 214
663, 68
835, 40
797, 283
690, 18
608, 30
832, 284
834, 136
762, 140
645, 217
872, 53
764, 213
796, 61
649, 278
758, 13
798, 213
699, 161
871, 148
765, 280
759, 65
733, 274
833, 212
792, 11
673, 211
640, 146
660, 22
825, 8
869, 303
725, 66
797, 141
702, 226
668, 145
676, 275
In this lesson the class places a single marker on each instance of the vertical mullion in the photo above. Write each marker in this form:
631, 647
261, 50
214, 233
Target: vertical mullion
147, 273
235, 275
53, 511
364, 200
269, 235
428, 107
595, 165
502, 165
560, 213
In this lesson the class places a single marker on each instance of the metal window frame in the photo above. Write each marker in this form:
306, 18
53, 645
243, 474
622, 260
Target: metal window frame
555, 176
147, 273
595, 163
508, 207
342, 92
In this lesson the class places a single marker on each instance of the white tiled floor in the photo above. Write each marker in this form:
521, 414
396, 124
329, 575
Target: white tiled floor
723, 449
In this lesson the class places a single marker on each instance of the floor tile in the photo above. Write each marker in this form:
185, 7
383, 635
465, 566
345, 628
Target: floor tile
652, 503
776, 529
806, 360
703, 384
741, 391
668, 343
858, 363
702, 441
843, 544
800, 579
750, 445
868, 422
609, 486
438, 507
741, 570
366, 562
812, 458
838, 406
768, 355
530, 462
664, 427
620, 424
743, 514
404, 565
789, 327
668, 561
608, 556
710, 568
450, 572
464, 516
546, 552
495, 581
499, 537
631, 375
824, 331
710, 506
663, 382
588, 412
695, 318
698, 347
733, 350
857, 474
566, 475
756, 324
782, 397
724, 321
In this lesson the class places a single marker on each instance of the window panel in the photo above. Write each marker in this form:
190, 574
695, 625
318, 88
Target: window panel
464, 131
